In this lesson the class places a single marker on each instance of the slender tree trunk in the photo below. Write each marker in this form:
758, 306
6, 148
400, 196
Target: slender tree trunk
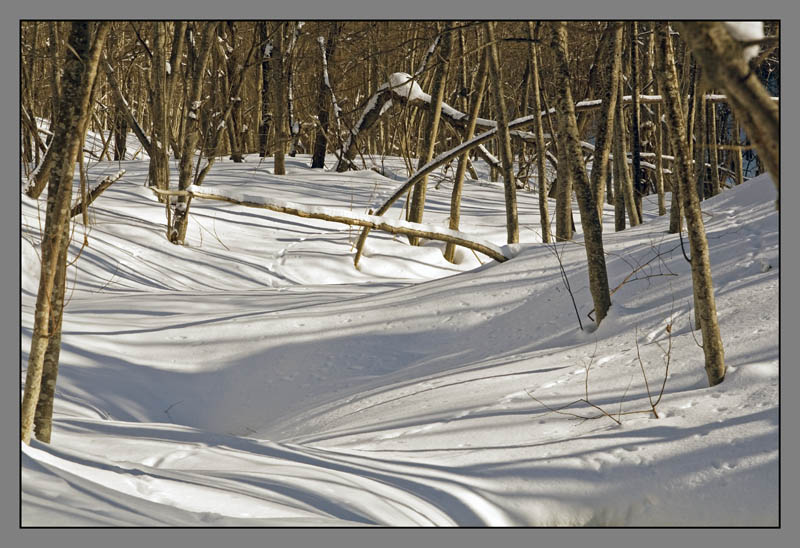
431, 129
700, 142
717, 51
159, 135
701, 267
80, 69
636, 146
292, 123
737, 155
279, 101
620, 173
191, 135
590, 220
266, 116
620, 156
605, 134
324, 98
659, 144
716, 186
512, 221
540, 144
463, 160
174, 69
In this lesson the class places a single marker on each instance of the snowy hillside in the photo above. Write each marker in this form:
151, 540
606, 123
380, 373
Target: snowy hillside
255, 377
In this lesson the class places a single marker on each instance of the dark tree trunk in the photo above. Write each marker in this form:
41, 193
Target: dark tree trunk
324, 97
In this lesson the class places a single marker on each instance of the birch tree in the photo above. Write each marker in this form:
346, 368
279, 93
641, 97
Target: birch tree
80, 70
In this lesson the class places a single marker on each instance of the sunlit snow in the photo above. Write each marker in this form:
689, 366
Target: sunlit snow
254, 377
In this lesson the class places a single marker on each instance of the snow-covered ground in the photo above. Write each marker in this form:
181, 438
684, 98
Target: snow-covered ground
255, 377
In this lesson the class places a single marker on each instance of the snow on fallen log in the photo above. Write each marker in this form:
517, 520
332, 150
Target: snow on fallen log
94, 192
343, 216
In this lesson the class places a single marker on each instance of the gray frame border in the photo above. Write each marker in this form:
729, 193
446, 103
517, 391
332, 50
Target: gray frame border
408, 9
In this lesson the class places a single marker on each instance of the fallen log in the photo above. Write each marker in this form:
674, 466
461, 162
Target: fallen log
345, 217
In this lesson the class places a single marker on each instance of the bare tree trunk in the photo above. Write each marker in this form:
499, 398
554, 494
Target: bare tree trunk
712, 151
659, 144
714, 48
292, 123
701, 267
198, 63
620, 156
510, 186
431, 129
80, 69
279, 101
738, 154
324, 97
463, 160
176, 53
540, 144
636, 146
266, 116
234, 72
605, 134
159, 136
700, 142
590, 220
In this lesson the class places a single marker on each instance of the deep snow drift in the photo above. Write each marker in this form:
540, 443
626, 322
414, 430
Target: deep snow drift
254, 377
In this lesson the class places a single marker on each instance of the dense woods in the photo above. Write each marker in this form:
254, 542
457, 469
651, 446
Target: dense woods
582, 111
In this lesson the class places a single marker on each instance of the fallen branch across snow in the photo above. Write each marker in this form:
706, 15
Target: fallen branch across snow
95, 192
393, 226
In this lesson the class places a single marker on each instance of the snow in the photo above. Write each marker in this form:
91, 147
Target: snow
254, 377
745, 31
404, 85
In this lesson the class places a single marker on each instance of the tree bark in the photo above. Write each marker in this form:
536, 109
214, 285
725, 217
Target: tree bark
199, 62
701, 267
159, 135
590, 220
716, 186
463, 160
509, 184
725, 67
636, 144
605, 134
626, 193
324, 97
279, 102
266, 116
80, 69
541, 168
431, 129
700, 142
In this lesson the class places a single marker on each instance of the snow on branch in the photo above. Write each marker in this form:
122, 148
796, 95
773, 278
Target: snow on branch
402, 88
95, 191
394, 226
